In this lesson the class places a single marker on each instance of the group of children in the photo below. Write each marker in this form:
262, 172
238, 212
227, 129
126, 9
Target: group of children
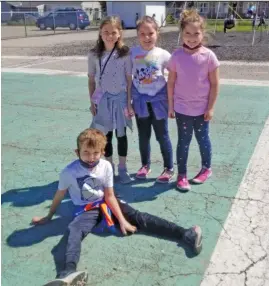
124, 83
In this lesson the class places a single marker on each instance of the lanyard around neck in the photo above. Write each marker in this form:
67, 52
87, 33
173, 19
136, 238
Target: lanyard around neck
102, 70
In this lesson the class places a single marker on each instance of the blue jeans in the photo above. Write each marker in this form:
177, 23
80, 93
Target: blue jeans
185, 126
161, 131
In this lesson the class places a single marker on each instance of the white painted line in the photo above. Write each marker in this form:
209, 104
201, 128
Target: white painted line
66, 58
33, 64
246, 82
43, 71
241, 256
223, 81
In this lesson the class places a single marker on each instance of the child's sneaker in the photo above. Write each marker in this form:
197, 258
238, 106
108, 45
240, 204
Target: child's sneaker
143, 172
193, 237
77, 278
166, 176
124, 175
183, 183
203, 175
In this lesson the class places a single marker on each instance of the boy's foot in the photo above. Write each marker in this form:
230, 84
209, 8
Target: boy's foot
183, 183
143, 172
193, 237
124, 176
77, 278
202, 176
165, 177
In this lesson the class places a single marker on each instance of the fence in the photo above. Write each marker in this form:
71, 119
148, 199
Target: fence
27, 24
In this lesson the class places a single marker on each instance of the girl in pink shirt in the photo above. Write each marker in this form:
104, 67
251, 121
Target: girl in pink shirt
193, 86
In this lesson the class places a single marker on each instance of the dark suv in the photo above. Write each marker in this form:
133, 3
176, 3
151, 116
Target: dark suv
68, 17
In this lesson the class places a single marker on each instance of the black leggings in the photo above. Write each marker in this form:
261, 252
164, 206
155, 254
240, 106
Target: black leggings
122, 144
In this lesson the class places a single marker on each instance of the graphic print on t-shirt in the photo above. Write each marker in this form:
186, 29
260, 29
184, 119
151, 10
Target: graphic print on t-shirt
88, 186
146, 67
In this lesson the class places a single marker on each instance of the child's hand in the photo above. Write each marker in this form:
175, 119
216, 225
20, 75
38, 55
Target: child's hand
131, 110
93, 109
125, 227
208, 114
171, 113
40, 220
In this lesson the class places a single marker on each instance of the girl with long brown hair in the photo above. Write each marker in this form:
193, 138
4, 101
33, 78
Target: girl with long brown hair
110, 78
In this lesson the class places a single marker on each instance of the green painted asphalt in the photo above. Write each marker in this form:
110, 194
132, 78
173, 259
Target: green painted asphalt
41, 117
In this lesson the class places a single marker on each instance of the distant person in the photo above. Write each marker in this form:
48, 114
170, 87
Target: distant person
193, 87
229, 23
262, 19
89, 181
154, 16
136, 19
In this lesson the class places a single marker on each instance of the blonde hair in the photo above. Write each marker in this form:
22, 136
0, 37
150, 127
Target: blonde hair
147, 20
191, 16
94, 139
100, 46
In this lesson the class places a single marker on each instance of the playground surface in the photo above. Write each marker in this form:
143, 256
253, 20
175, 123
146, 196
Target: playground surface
44, 107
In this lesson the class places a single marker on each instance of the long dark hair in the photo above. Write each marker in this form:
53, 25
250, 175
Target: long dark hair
100, 45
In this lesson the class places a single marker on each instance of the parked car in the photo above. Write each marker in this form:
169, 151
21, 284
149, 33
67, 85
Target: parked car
68, 17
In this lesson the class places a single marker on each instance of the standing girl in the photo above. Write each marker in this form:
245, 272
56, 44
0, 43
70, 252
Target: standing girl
150, 102
193, 85
110, 79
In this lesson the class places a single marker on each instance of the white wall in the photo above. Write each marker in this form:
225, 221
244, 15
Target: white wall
157, 8
126, 11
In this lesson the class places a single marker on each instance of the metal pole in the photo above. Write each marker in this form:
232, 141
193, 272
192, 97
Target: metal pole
254, 28
54, 26
178, 39
77, 19
25, 29
216, 19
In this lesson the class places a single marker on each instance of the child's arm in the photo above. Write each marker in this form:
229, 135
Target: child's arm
172, 76
58, 197
129, 79
129, 94
91, 86
214, 90
112, 202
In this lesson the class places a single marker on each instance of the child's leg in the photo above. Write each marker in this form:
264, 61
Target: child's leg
122, 152
201, 130
162, 135
144, 134
157, 226
185, 131
78, 230
109, 149
122, 149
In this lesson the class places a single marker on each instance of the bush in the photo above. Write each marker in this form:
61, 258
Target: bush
170, 19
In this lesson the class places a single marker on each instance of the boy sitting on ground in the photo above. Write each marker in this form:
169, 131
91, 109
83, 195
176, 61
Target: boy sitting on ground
89, 181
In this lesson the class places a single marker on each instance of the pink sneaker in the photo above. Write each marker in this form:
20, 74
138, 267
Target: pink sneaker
203, 175
165, 177
143, 172
183, 183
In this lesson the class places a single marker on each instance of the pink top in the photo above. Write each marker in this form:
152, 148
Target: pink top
192, 86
